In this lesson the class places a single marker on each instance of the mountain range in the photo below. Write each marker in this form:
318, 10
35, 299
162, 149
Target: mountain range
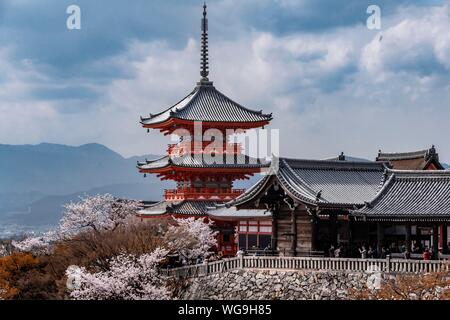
36, 180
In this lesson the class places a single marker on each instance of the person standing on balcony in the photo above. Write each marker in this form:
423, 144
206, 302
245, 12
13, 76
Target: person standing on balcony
426, 254
363, 252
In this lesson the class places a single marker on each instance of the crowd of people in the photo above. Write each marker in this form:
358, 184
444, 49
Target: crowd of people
341, 250
365, 251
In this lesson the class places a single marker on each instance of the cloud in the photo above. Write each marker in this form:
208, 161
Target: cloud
419, 45
332, 87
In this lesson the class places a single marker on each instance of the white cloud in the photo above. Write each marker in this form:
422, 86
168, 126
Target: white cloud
344, 90
410, 45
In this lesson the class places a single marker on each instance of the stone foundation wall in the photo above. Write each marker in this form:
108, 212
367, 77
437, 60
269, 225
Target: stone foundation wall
285, 285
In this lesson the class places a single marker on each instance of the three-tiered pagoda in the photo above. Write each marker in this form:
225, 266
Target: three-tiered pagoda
206, 160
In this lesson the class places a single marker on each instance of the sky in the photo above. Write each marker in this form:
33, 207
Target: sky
331, 83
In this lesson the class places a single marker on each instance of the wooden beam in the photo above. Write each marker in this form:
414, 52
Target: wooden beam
444, 239
294, 233
275, 229
314, 233
380, 237
408, 239
435, 241
350, 233
333, 229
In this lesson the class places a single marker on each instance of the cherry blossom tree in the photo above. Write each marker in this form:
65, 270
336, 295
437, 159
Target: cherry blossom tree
35, 245
191, 238
95, 213
3, 251
128, 278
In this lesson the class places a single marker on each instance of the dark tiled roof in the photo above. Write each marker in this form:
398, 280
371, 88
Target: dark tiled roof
207, 104
178, 208
223, 212
416, 160
409, 195
190, 161
324, 183
252, 192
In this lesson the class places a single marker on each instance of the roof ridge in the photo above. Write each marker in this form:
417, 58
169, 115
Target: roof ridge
332, 164
387, 184
420, 172
407, 155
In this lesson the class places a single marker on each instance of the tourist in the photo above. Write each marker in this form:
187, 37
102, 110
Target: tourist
337, 252
426, 254
363, 252
383, 253
407, 254
331, 251
267, 250
370, 253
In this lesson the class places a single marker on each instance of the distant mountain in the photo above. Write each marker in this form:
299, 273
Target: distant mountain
446, 166
54, 169
48, 210
36, 180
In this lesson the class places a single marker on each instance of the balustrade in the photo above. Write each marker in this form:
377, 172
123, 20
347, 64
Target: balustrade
204, 193
310, 263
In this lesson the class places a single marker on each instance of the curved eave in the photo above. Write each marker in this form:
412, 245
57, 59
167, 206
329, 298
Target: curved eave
238, 217
174, 168
173, 121
168, 214
345, 206
251, 193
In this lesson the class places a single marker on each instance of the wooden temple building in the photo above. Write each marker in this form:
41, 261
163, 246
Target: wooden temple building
299, 207
419, 160
314, 204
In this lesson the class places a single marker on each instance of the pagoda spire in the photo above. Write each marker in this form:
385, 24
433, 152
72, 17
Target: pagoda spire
204, 65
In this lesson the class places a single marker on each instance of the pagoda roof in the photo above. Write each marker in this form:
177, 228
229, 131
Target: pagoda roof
192, 161
207, 104
416, 160
217, 211
322, 183
185, 207
222, 212
409, 196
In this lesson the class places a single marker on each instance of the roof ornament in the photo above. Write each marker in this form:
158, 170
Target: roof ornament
204, 64
318, 195
432, 150
342, 157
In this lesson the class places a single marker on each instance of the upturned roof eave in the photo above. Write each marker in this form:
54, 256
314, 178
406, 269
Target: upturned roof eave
178, 120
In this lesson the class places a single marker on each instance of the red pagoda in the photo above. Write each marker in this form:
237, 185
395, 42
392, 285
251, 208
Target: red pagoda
206, 161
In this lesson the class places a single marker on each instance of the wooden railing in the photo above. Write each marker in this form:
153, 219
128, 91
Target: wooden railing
206, 193
189, 147
309, 263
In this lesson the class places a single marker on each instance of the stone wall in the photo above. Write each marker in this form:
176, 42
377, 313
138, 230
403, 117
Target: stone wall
275, 284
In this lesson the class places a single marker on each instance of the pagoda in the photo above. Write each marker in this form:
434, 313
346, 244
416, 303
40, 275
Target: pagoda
206, 161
